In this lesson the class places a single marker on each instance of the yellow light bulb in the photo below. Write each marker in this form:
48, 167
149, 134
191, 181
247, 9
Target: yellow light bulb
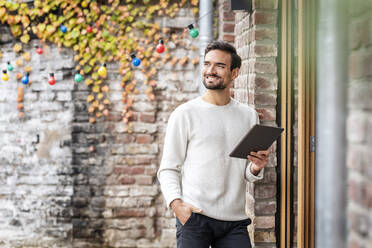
102, 71
84, 4
5, 76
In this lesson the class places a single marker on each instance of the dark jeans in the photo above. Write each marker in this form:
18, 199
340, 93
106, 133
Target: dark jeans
201, 231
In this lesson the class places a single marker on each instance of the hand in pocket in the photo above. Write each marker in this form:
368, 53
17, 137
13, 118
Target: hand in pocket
183, 210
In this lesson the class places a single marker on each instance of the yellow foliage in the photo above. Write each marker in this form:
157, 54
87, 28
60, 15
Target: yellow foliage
26, 56
17, 48
90, 98
106, 101
120, 28
19, 62
28, 69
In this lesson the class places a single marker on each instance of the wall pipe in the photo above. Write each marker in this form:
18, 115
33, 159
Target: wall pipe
330, 175
205, 34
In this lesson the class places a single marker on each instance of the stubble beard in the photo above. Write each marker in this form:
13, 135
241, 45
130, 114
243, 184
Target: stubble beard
218, 86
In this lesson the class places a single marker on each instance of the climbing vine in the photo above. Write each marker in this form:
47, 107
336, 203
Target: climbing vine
100, 32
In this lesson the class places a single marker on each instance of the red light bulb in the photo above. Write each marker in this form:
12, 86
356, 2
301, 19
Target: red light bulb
160, 47
39, 50
52, 80
89, 29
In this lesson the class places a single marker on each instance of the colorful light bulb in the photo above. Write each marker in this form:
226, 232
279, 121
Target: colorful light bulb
193, 31
63, 28
10, 67
25, 79
78, 77
52, 80
39, 50
89, 29
5, 76
135, 61
102, 71
160, 47
84, 4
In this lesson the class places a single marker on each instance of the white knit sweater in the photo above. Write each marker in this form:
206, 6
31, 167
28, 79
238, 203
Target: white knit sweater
196, 166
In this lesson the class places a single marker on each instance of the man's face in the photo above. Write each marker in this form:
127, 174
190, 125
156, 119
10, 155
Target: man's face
216, 71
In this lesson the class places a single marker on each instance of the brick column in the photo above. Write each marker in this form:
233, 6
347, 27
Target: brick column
359, 126
226, 23
256, 39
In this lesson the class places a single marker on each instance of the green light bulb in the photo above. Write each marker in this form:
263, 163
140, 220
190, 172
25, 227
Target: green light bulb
78, 78
193, 31
10, 67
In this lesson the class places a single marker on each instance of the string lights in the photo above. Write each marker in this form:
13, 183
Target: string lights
5, 76
10, 67
78, 77
52, 80
135, 61
25, 79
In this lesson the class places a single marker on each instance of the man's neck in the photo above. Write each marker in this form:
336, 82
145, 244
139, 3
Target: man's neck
217, 97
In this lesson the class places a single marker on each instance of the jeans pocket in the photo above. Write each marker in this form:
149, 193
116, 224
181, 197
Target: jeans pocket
248, 221
188, 221
191, 223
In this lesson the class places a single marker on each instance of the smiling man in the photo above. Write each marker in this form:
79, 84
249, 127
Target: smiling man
203, 186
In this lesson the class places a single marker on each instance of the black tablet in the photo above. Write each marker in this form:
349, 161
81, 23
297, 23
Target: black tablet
258, 138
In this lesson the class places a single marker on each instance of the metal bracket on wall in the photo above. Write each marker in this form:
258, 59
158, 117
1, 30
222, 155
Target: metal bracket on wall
36, 141
241, 5
312, 143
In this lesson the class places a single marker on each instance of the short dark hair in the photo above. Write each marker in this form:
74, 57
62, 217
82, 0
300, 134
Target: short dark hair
236, 61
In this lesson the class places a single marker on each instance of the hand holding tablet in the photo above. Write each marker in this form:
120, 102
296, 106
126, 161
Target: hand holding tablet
258, 138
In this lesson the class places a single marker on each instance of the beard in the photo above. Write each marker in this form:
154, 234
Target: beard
216, 84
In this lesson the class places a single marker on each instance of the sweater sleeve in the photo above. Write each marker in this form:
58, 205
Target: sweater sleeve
250, 177
248, 174
174, 153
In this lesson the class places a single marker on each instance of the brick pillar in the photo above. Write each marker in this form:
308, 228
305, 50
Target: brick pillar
226, 23
359, 126
256, 39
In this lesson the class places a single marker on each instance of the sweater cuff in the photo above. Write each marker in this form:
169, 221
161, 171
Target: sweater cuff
172, 198
250, 177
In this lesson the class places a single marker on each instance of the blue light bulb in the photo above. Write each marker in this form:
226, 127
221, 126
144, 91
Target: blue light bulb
63, 28
135, 61
25, 78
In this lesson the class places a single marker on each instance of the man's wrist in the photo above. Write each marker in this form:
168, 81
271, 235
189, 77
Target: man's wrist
254, 169
174, 203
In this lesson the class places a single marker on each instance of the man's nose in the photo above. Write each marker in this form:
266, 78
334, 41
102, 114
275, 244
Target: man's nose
211, 69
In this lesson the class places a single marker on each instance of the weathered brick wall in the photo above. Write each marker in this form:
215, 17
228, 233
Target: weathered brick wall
35, 165
226, 22
135, 212
87, 185
256, 38
359, 126
226, 26
90, 146
102, 188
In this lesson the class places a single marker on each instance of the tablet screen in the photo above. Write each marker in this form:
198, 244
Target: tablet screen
258, 138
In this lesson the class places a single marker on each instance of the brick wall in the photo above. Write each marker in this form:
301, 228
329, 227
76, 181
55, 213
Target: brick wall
359, 126
135, 213
226, 24
256, 39
97, 185
87, 185
35, 164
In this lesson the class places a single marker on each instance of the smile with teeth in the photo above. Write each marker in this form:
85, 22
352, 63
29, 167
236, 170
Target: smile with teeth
210, 77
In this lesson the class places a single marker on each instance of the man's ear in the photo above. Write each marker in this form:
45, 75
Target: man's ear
235, 73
